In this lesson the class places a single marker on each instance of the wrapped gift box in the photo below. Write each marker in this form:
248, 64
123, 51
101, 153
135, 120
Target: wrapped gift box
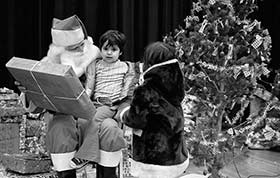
6, 111
26, 163
10, 105
52, 86
9, 138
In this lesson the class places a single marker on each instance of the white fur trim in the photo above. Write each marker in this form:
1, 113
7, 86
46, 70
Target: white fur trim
90, 39
160, 64
123, 111
61, 160
110, 159
195, 176
67, 37
142, 170
55, 50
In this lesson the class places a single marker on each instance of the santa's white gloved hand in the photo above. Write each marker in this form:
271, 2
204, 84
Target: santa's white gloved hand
20, 87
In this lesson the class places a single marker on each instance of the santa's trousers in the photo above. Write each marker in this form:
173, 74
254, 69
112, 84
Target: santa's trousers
64, 137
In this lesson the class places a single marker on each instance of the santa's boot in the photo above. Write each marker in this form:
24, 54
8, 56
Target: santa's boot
67, 174
105, 172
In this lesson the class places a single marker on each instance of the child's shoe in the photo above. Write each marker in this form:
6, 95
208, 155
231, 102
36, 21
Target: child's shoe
78, 163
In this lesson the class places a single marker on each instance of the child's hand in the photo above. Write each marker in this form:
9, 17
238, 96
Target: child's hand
88, 92
104, 101
20, 87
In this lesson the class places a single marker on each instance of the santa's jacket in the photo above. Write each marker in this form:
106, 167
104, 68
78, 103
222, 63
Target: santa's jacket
156, 111
63, 134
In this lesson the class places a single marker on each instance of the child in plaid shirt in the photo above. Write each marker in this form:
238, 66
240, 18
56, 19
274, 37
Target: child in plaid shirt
110, 84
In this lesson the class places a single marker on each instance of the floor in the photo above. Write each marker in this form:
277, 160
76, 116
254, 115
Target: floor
250, 164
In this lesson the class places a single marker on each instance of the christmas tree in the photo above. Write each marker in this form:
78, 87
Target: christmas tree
223, 54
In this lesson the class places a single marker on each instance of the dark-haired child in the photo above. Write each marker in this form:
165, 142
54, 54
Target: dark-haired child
110, 82
156, 116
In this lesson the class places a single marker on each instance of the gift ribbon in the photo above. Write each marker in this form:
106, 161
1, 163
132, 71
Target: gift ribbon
67, 98
45, 96
34, 78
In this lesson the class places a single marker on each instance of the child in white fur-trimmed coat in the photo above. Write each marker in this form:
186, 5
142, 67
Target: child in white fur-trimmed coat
156, 116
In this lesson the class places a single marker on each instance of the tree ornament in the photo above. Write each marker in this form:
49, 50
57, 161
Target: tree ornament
230, 52
230, 131
258, 41
266, 42
246, 70
236, 71
191, 50
220, 23
250, 27
187, 24
265, 71
181, 52
215, 52
216, 28
203, 25
197, 7
180, 32
212, 2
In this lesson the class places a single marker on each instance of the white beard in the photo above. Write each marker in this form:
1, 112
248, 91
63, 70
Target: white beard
59, 55
53, 54
75, 57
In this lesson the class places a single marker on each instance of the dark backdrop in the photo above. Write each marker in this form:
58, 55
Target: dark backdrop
25, 24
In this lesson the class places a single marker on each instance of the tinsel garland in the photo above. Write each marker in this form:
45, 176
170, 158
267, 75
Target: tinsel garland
22, 134
34, 144
234, 70
11, 119
245, 103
